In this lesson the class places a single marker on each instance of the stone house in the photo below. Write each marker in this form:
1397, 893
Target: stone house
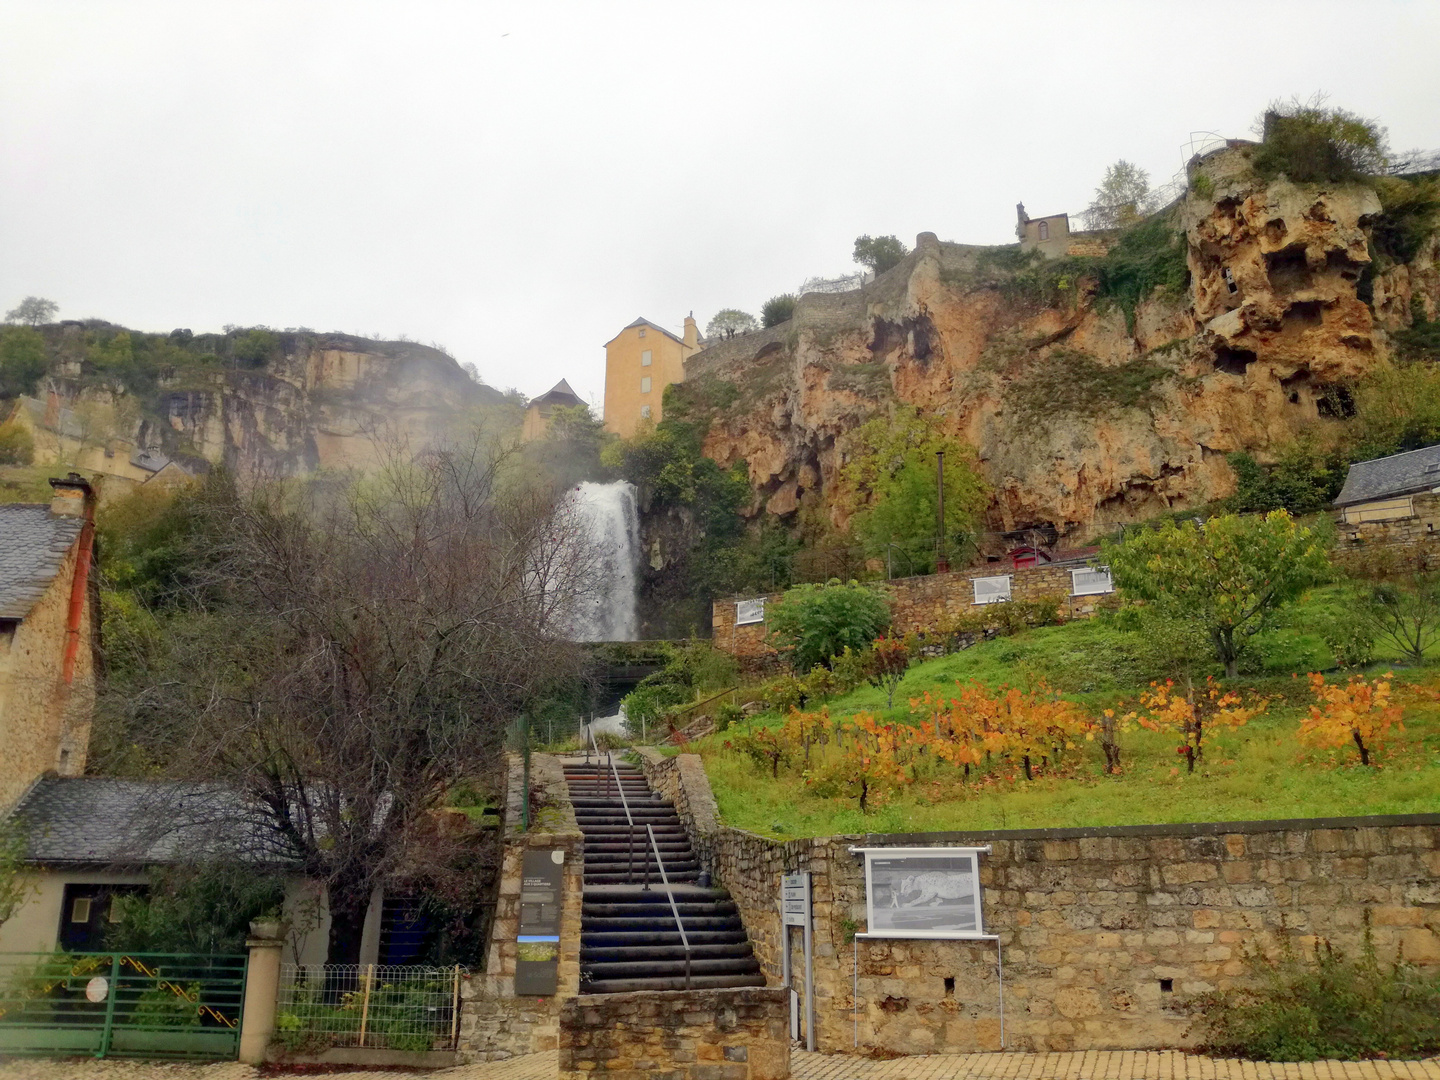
90, 839
1048, 235
537, 413
640, 362
1392, 500
49, 626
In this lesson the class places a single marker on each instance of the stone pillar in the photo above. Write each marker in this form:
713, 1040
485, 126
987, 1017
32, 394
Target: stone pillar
262, 986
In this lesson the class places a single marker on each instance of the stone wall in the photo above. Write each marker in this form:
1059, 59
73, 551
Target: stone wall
676, 1035
1102, 930
495, 1023
45, 722
916, 604
1416, 532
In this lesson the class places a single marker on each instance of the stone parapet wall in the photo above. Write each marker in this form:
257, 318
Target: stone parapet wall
916, 604
1417, 533
1094, 924
678, 1034
495, 1023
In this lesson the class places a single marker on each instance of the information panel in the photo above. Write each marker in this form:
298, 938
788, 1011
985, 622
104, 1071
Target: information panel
923, 893
538, 943
749, 611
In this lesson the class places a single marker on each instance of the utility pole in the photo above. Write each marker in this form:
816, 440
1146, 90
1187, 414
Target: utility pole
942, 564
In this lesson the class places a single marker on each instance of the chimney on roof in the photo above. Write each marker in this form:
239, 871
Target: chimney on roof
692, 331
73, 496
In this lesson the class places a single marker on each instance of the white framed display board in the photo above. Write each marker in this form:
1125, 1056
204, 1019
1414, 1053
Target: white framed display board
930, 892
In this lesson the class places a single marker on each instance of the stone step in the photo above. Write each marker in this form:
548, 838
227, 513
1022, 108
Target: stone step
687, 877
650, 969
635, 894
659, 925
697, 982
646, 911
659, 939
637, 953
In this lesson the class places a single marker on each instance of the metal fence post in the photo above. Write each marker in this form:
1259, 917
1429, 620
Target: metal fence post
110, 1006
365, 1005
455, 1012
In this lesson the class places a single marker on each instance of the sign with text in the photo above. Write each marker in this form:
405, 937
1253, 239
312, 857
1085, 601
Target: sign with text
923, 893
749, 611
538, 942
795, 899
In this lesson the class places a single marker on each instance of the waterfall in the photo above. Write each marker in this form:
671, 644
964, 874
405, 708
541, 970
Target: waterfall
612, 525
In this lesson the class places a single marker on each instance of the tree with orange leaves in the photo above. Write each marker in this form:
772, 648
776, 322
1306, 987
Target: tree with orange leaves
1359, 711
1192, 713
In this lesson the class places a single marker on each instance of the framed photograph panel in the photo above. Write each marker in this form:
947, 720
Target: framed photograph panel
923, 892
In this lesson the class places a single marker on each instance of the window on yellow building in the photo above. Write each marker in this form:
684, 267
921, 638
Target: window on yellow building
645, 384
646, 358
1044, 230
642, 331
644, 412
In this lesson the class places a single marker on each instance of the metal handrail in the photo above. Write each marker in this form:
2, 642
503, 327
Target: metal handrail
629, 821
670, 893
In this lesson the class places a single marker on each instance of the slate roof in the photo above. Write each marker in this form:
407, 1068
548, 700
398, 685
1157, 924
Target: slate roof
33, 543
95, 820
149, 460
642, 321
1390, 477
559, 394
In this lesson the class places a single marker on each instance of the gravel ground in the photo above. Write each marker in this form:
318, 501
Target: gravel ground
534, 1067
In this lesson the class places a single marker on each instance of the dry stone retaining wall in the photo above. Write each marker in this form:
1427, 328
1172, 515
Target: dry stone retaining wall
916, 604
1102, 930
495, 1023
676, 1035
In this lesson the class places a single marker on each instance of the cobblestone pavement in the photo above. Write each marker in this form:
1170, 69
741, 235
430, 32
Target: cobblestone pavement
1093, 1065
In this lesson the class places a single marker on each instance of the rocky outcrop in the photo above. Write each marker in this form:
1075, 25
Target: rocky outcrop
317, 401
1081, 417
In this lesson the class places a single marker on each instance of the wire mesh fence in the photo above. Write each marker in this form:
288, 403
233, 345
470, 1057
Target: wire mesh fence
370, 1005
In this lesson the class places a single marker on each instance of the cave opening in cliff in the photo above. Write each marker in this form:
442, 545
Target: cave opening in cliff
1304, 313
1288, 269
1233, 361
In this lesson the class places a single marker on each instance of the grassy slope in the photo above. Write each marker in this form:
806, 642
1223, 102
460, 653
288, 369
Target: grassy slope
1259, 771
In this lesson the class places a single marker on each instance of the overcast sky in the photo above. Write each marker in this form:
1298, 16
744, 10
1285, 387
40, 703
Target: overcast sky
518, 181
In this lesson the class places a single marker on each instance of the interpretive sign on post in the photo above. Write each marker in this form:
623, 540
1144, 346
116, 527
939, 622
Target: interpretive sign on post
795, 911
538, 943
923, 892
749, 611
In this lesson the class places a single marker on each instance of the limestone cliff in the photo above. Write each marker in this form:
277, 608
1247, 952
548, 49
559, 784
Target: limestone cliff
267, 404
1082, 416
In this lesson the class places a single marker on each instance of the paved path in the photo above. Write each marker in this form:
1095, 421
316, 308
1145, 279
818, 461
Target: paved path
1093, 1065
1098, 1065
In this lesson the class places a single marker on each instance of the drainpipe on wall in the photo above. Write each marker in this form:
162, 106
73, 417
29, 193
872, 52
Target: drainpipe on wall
74, 497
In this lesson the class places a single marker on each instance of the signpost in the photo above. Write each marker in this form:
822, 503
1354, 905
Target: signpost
537, 958
795, 910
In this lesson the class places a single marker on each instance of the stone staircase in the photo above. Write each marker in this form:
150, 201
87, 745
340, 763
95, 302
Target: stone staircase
628, 937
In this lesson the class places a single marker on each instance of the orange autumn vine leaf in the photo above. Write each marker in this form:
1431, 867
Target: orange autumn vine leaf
1358, 712
1193, 712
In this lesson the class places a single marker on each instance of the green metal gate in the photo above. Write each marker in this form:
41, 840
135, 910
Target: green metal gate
113, 1004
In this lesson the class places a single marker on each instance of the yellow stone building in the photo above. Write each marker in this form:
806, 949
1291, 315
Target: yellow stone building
537, 413
640, 362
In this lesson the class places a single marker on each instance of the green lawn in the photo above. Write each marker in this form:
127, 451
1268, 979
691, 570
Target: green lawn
1258, 771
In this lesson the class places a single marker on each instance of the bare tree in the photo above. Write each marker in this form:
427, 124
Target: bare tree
365, 644
33, 311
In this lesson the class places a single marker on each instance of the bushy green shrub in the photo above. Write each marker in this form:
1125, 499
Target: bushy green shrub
1304, 479
814, 623
1337, 1007
1311, 144
204, 908
22, 360
16, 445
778, 309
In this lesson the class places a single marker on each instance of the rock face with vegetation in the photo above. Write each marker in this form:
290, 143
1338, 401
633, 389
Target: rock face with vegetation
1096, 388
259, 402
